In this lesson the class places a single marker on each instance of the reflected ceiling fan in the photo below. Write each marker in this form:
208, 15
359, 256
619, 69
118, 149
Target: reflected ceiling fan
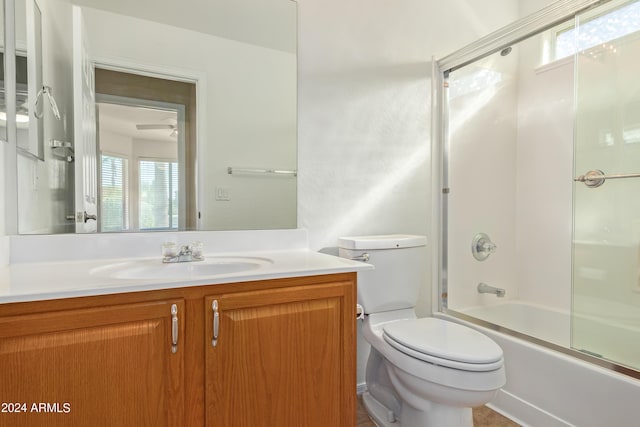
160, 126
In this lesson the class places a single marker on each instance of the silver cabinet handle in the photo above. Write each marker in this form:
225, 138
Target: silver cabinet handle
216, 322
174, 328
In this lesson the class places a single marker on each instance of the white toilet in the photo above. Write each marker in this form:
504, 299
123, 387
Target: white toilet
421, 372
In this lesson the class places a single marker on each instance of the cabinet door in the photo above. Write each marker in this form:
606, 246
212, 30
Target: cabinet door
282, 357
103, 366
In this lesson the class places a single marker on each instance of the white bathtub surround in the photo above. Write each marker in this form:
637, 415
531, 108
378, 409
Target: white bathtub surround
547, 324
607, 328
551, 389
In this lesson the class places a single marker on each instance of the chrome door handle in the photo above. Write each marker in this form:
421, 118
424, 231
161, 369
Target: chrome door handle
87, 217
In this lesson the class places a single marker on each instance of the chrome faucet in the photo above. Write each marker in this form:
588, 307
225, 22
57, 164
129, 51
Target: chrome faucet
187, 253
482, 246
483, 288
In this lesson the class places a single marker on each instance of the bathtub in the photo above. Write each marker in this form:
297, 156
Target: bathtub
602, 328
541, 322
546, 387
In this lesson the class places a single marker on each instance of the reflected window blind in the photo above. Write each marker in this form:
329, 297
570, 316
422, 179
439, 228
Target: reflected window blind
114, 193
158, 194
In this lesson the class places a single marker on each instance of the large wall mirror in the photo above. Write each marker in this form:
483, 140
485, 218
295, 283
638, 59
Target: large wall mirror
154, 117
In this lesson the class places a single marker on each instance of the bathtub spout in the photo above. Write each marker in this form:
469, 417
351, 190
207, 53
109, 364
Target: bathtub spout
483, 288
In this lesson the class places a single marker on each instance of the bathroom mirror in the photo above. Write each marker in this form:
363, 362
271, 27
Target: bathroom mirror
221, 157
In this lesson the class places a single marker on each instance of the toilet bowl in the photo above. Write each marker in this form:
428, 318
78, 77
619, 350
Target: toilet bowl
423, 372
433, 388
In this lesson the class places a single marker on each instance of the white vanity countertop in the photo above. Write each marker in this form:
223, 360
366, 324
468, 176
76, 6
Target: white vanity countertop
35, 281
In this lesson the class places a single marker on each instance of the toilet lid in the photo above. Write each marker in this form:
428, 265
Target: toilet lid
444, 343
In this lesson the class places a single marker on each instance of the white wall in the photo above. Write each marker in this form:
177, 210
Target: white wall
234, 76
364, 109
268, 23
364, 113
544, 178
517, 186
482, 171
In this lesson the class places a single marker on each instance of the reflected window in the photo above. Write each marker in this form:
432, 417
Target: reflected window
631, 134
158, 186
598, 30
114, 193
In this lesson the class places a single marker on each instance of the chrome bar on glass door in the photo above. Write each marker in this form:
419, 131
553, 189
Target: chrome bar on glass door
595, 178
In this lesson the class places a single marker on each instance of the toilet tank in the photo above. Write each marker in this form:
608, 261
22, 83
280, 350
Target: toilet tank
399, 272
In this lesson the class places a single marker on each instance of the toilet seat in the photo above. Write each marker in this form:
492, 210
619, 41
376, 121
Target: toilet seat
444, 343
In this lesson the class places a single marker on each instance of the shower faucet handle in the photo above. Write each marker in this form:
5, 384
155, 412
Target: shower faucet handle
482, 246
489, 247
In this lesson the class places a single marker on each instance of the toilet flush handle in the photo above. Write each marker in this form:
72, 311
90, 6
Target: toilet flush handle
364, 257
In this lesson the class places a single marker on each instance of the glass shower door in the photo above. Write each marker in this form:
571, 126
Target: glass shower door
606, 241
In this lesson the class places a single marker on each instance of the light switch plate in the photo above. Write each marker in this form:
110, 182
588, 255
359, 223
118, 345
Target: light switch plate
222, 194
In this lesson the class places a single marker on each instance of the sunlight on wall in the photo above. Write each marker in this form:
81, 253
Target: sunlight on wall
473, 87
472, 106
402, 169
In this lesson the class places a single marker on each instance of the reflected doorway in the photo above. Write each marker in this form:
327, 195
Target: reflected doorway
147, 152
141, 148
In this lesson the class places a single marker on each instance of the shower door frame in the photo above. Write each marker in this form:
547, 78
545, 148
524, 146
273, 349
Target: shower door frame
520, 30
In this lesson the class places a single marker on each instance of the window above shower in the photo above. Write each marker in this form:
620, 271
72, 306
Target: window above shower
619, 19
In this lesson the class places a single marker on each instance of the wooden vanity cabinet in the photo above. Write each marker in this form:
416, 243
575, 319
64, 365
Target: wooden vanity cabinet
99, 366
284, 357
281, 357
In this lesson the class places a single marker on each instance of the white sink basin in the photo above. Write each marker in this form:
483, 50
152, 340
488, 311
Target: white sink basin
155, 269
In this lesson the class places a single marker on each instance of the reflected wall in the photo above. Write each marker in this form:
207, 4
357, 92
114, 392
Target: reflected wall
247, 118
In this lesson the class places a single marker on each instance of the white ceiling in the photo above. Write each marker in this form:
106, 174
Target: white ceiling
267, 23
122, 120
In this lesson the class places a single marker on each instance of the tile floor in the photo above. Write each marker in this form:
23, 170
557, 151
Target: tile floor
482, 417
